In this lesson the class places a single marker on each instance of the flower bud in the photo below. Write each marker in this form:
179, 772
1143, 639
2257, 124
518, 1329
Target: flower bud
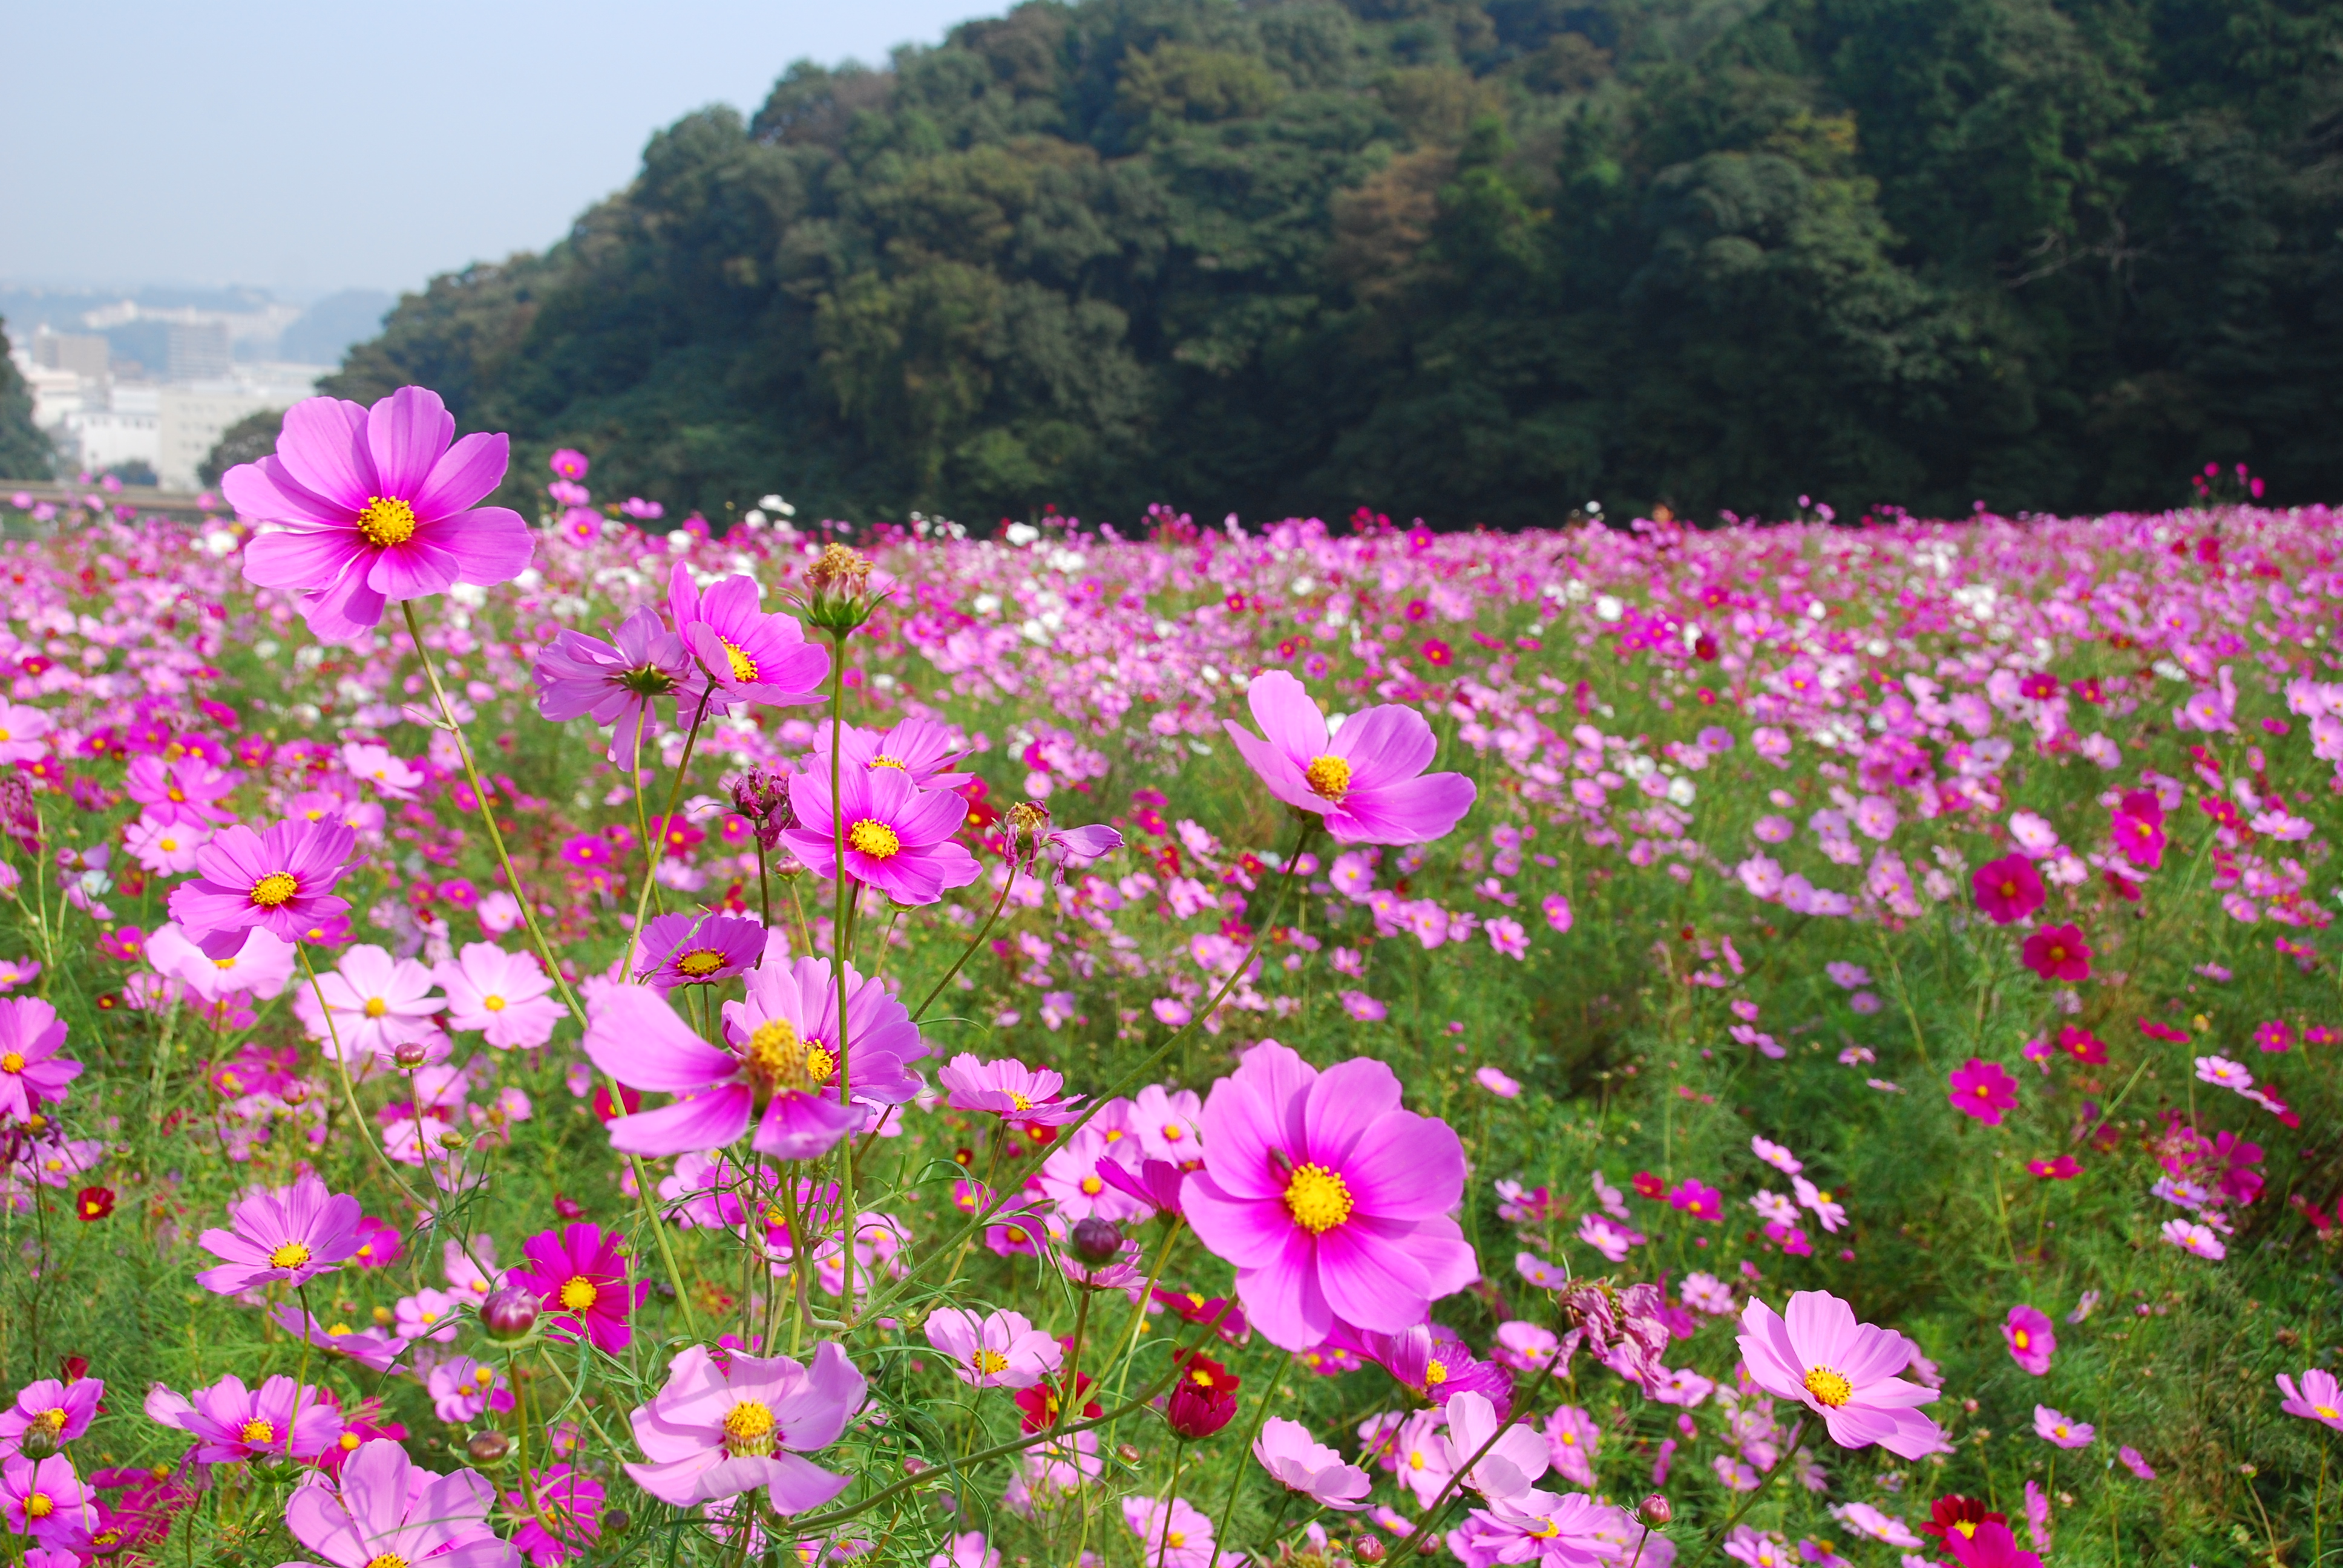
509, 1314
410, 1054
487, 1447
39, 1440
1367, 1549
1097, 1240
1655, 1511
614, 1521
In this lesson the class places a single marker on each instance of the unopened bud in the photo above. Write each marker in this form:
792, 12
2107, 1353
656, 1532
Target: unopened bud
614, 1521
1655, 1511
39, 1440
1127, 1452
509, 1314
1097, 1240
1367, 1549
408, 1054
452, 1140
488, 1448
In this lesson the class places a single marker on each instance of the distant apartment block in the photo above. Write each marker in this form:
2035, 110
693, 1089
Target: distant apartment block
83, 354
200, 351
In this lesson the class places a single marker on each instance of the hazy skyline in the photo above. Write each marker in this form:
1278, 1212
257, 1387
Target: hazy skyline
295, 148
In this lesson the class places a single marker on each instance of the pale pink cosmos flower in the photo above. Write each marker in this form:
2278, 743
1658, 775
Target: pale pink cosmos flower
2033, 834
291, 1234
1497, 1083
716, 1431
375, 506
394, 776
1843, 1371
1174, 1533
2318, 1399
183, 792
462, 1389
230, 1422
1865, 1520
374, 1004
1567, 1529
2194, 1239
1777, 1155
383, 1509
1367, 779
994, 1350
2032, 1341
1076, 1185
164, 848
2056, 1426
1019, 1095
259, 967
24, 732
2133, 1462
1299, 1462
1827, 1209
1876, 816
1514, 1461
1571, 1441
1523, 1346
968, 1550
1168, 1123
506, 996
2221, 1071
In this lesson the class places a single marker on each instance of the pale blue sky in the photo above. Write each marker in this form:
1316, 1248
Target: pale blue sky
312, 147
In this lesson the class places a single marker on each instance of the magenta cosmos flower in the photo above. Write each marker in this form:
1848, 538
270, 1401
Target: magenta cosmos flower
580, 1275
2007, 890
384, 1509
294, 1234
1299, 1462
376, 506
560, 1516
699, 949
792, 1005
898, 837
751, 656
774, 1081
1981, 1089
2032, 1340
280, 879
717, 1431
2057, 953
53, 1413
230, 1422
2057, 1428
31, 1071
506, 996
46, 1499
921, 749
1843, 1371
1367, 780
1019, 1095
1331, 1199
183, 792
2319, 1399
619, 684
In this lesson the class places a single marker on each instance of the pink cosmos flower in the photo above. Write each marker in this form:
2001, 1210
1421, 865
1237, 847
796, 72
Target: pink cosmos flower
1777, 1155
1517, 1458
374, 1004
968, 1550
1331, 1199
921, 749
2056, 1426
1569, 1530
2194, 1239
58, 1411
619, 684
31, 1071
371, 1348
2032, 1340
749, 654
292, 1234
580, 1275
1981, 1089
46, 1499
376, 508
1523, 1346
383, 1507
994, 1350
163, 849
231, 1423
2133, 1462
1828, 1210
1843, 1371
1019, 1095
1367, 780
24, 732
1497, 1083
1991, 1546
506, 996
2318, 1399
716, 1432
1572, 1440
280, 879
2057, 953
1174, 1533
697, 949
562, 1515
1697, 1199
2007, 890
463, 1389
181, 793
898, 837
1299, 1462
2065, 1168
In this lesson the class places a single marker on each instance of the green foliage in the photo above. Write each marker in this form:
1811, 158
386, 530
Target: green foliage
26, 452
1475, 259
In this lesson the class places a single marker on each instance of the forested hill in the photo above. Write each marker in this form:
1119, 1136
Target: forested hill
1472, 259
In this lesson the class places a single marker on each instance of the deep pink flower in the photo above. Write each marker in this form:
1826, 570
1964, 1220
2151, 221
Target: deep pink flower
1981, 1089
2057, 953
715, 1430
2032, 1341
293, 1233
59, 1411
376, 506
2318, 1399
31, 1071
45, 1500
580, 1275
182, 792
619, 684
383, 1507
561, 1515
280, 879
1698, 1200
749, 654
2007, 890
230, 1422
697, 949
1331, 1199
1843, 1371
2138, 828
1991, 1545
2065, 1168
898, 837
921, 749
1367, 780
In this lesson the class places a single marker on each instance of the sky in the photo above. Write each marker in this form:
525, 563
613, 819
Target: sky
306, 149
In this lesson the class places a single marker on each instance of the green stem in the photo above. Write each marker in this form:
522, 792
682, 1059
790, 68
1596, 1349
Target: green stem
1428, 1521
1237, 1474
1008, 882
1717, 1537
840, 945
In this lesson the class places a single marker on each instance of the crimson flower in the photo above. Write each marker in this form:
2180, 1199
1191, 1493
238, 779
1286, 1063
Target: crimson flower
2007, 890
2057, 953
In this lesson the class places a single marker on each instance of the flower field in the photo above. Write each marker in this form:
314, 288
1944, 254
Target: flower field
1159, 1046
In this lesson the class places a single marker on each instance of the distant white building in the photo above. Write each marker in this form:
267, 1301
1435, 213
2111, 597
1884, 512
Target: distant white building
193, 418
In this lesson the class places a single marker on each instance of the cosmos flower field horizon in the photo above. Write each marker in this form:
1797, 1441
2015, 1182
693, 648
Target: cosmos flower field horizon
1159, 1044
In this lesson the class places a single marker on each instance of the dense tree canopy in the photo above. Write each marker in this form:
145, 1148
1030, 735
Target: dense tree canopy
25, 452
1472, 259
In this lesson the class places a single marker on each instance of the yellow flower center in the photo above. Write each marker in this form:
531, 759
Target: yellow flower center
1967, 1527
387, 1560
1173, 1132
337, 1330
376, 1007
883, 760
1329, 777
1831, 1388
1434, 1374
700, 963
2019, 1339
1415, 1459
1570, 1440
385, 523
291, 1255
578, 1293
1018, 1099
743, 667
38, 1506
749, 1429
493, 1003
2325, 1411
484, 1376
274, 889
988, 1361
257, 1433
1176, 1539
1318, 1199
1092, 1186
1546, 1530
779, 1058
177, 797
50, 1421
875, 840
14, 1062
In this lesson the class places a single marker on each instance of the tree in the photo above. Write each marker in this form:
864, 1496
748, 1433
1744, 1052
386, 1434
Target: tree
248, 440
25, 451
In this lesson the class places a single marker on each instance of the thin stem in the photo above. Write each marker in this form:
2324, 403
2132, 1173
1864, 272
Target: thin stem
1007, 883
1163, 1504
1427, 1522
1237, 1474
846, 898
1717, 1537
1073, 1385
655, 852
